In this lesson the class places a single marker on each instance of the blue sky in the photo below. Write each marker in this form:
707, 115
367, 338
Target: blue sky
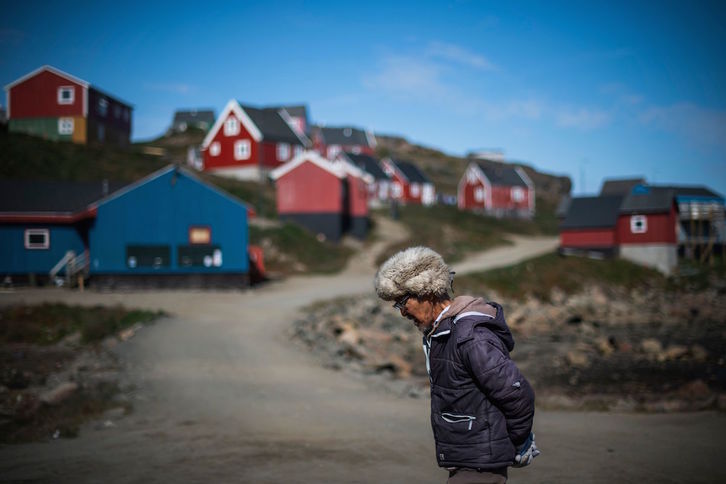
588, 90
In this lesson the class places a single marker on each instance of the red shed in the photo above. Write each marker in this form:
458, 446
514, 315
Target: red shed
646, 227
311, 191
56, 105
408, 183
589, 225
496, 189
246, 142
355, 215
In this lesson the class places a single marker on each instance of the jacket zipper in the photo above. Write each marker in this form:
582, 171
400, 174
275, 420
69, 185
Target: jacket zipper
453, 418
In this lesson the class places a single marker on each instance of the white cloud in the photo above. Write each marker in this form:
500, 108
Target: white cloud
696, 123
457, 54
408, 76
581, 118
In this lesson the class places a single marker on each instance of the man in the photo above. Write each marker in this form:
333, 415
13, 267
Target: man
482, 408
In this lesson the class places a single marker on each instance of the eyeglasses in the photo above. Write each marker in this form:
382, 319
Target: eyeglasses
401, 303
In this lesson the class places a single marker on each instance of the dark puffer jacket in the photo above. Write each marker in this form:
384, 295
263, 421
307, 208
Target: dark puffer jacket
482, 408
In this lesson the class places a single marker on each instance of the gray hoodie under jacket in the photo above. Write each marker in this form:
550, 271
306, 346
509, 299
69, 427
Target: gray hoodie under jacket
482, 408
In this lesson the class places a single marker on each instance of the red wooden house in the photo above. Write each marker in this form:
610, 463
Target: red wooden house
329, 141
646, 228
246, 142
408, 182
496, 189
56, 105
328, 198
378, 181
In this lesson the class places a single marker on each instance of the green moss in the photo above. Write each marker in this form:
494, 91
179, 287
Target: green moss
49, 323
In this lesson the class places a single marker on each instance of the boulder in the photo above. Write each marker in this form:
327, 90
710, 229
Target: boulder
577, 358
57, 395
603, 346
674, 352
651, 346
699, 353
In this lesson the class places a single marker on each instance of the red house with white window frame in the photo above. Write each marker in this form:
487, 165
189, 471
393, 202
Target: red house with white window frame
408, 183
246, 142
496, 189
55, 105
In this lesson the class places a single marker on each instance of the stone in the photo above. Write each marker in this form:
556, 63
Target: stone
349, 336
603, 346
699, 353
651, 346
397, 365
57, 395
674, 352
695, 390
126, 334
577, 358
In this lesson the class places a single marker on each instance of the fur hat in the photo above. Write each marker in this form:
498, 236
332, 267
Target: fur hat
418, 271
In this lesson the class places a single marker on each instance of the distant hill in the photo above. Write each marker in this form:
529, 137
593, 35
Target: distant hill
446, 171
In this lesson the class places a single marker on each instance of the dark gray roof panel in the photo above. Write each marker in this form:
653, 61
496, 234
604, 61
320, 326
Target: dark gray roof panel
621, 186
695, 191
271, 125
368, 164
592, 212
345, 136
411, 171
646, 199
22, 196
502, 175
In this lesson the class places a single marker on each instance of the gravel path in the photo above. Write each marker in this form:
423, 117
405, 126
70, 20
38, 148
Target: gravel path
223, 396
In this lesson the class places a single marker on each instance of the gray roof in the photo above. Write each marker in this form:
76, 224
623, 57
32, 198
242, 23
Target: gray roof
344, 136
592, 212
411, 171
695, 192
195, 116
52, 197
271, 125
621, 186
647, 199
295, 111
505, 175
368, 164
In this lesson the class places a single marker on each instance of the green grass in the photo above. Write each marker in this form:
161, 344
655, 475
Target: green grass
291, 249
537, 277
28, 157
260, 195
454, 233
49, 323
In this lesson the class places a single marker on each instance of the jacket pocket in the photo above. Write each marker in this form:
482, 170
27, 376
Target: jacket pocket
459, 422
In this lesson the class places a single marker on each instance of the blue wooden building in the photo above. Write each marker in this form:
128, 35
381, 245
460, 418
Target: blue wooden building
168, 229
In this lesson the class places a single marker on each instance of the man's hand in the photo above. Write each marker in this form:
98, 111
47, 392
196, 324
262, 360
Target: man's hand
526, 453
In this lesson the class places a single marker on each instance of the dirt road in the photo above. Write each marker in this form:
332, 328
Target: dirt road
223, 396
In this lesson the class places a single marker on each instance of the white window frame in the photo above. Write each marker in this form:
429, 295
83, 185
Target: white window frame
283, 151
397, 190
215, 148
638, 224
231, 126
102, 106
43, 246
479, 194
71, 99
297, 150
415, 190
242, 149
517, 194
65, 126
333, 151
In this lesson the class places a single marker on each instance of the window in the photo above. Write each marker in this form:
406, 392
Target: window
517, 194
65, 126
283, 151
298, 149
333, 151
37, 239
102, 107
126, 114
215, 149
66, 94
638, 224
242, 149
199, 256
200, 235
116, 111
397, 190
479, 194
415, 190
231, 126
101, 132
154, 256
